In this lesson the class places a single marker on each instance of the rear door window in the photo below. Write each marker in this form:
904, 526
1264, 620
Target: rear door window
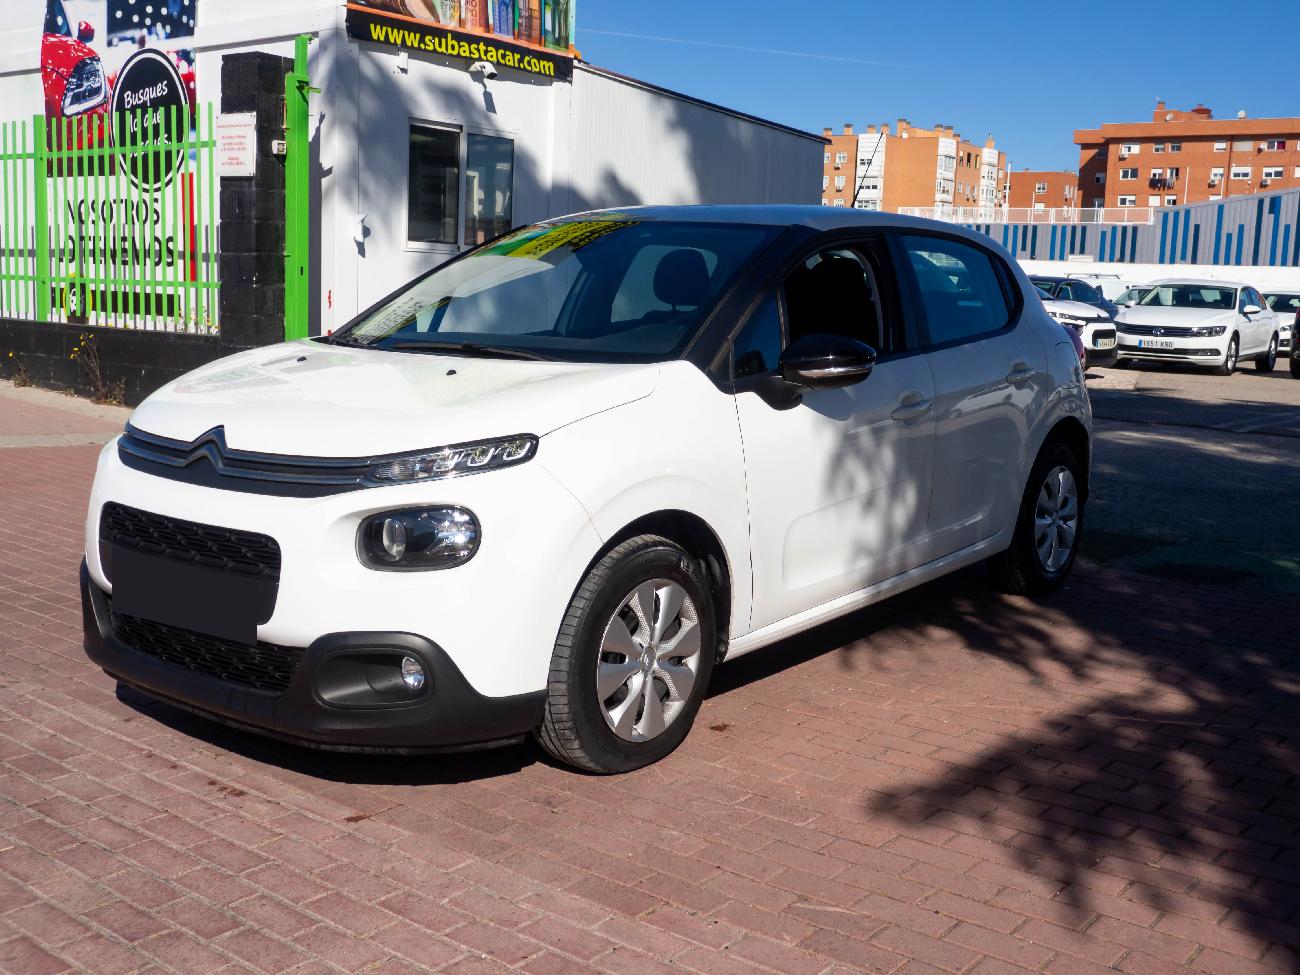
960, 289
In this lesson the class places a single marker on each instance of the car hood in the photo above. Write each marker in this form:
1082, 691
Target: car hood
1073, 309
313, 400
1160, 315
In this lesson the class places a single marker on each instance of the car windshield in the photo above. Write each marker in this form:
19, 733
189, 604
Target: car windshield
1191, 296
56, 19
605, 289
1283, 302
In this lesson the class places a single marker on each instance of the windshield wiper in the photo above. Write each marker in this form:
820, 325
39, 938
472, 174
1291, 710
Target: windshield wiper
468, 349
346, 342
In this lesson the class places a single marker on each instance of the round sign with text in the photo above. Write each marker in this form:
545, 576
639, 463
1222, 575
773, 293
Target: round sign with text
150, 118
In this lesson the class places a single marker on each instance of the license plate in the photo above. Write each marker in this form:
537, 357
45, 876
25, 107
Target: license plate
1155, 343
1105, 343
190, 597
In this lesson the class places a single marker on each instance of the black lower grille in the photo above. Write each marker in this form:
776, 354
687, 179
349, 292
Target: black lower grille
265, 667
227, 549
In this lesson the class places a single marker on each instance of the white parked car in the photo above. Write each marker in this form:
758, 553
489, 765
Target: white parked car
548, 486
1286, 305
1205, 323
1096, 329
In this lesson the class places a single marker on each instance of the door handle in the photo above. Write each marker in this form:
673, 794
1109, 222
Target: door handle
912, 406
1021, 372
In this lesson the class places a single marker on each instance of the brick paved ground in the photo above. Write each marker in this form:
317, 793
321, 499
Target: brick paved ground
955, 782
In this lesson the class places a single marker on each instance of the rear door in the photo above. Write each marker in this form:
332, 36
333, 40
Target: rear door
991, 379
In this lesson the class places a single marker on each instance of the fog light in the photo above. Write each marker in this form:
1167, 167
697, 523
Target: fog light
412, 674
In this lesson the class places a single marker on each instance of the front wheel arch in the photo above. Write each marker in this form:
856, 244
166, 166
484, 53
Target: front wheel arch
701, 542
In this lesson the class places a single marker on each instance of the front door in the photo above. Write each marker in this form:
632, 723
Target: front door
839, 482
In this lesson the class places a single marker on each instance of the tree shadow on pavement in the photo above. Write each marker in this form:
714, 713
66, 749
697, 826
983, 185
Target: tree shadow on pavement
1172, 760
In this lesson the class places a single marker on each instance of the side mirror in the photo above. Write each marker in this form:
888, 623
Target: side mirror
85, 32
827, 362
1252, 310
1130, 303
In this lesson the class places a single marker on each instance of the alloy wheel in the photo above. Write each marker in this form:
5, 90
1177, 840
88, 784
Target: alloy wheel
1056, 519
1231, 362
649, 660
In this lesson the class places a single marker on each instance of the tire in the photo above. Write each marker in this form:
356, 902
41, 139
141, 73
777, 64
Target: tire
1229, 365
1023, 569
624, 730
1265, 361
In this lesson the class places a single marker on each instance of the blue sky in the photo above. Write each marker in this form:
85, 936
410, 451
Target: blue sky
1030, 73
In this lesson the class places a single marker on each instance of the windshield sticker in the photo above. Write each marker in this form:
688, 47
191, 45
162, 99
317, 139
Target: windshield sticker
540, 241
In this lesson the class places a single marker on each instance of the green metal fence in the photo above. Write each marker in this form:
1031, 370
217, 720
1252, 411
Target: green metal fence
111, 220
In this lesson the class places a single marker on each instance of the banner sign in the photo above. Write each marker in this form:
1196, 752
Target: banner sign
505, 33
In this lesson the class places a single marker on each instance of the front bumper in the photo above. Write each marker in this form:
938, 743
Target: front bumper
448, 714
1203, 352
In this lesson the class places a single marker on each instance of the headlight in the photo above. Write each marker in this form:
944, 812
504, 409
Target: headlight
455, 461
86, 88
418, 540
1207, 332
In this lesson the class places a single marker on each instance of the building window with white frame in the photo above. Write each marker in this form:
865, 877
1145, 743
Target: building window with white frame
841, 158
1128, 201
1040, 187
1128, 173
1171, 201
1099, 179
1216, 174
1152, 201
1241, 172
489, 187
826, 181
1273, 172
1221, 147
826, 159
1130, 149
1297, 172
1157, 174
1158, 147
839, 183
1175, 147
1275, 145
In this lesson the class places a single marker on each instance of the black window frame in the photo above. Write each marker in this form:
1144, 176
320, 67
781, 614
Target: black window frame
1007, 281
896, 308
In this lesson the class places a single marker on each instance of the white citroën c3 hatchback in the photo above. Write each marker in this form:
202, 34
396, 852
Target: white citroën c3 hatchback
548, 486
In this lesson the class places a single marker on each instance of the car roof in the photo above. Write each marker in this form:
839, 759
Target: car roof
1199, 283
815, 217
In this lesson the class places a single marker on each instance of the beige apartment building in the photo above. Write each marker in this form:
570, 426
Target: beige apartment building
1186, 157
911, 167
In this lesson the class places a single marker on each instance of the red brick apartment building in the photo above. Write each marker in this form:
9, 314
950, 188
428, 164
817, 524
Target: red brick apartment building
1186, 157
1043, 189
911, 167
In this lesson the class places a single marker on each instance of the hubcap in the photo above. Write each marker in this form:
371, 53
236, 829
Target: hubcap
649, 660
1056, 519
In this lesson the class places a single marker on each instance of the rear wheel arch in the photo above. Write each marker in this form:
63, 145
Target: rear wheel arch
1074, 435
